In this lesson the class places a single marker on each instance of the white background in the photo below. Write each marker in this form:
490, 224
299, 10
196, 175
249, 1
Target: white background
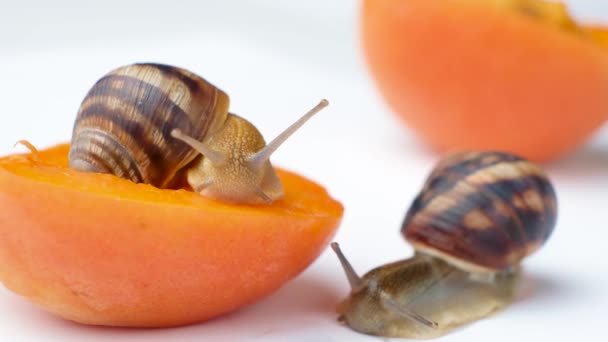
277, 59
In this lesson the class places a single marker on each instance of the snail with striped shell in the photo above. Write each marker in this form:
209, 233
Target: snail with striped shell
478, 215
152, 123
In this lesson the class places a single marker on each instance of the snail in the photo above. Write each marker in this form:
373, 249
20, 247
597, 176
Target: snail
477, 216
153, 123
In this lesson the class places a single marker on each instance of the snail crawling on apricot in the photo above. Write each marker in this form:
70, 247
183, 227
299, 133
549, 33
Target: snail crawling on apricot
152, 123
478, 215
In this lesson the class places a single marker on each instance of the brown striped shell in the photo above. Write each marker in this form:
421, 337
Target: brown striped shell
124, 124
482, 211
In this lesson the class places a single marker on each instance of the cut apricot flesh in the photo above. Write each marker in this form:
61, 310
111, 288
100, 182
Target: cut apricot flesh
514, 75
97, 249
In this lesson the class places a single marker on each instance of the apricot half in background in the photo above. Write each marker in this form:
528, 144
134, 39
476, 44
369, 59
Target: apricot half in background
515, 75
98, 249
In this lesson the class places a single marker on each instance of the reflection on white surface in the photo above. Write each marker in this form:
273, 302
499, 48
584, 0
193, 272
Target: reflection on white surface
275, 60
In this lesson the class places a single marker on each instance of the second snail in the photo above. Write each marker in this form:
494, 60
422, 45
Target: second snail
478, 215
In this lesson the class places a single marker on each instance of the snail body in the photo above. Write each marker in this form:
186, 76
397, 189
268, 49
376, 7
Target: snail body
153, 123
478, 215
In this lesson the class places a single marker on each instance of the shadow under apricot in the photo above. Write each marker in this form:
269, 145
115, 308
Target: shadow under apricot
301, 304
308, 295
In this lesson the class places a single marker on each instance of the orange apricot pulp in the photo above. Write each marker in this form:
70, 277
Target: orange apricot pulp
101, 250
514, 75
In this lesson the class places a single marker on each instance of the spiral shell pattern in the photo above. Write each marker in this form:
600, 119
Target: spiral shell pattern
482, 211
124, 124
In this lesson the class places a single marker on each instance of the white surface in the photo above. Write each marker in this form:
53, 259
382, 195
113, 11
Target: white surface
276, 61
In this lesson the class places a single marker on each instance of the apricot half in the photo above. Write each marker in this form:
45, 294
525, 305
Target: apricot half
101, 250
515, 75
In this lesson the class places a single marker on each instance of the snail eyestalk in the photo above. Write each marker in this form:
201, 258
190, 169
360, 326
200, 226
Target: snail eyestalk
353, 278
405, 312
264, 154
215, 157
29, 146
356, 282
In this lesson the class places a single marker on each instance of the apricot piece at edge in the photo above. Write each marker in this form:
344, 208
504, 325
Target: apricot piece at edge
100, 250
514, 75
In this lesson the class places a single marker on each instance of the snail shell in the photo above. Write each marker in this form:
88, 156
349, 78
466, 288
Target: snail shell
482, 211
124, 123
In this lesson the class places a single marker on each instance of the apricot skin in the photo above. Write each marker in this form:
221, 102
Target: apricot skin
100, 250
473, 75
